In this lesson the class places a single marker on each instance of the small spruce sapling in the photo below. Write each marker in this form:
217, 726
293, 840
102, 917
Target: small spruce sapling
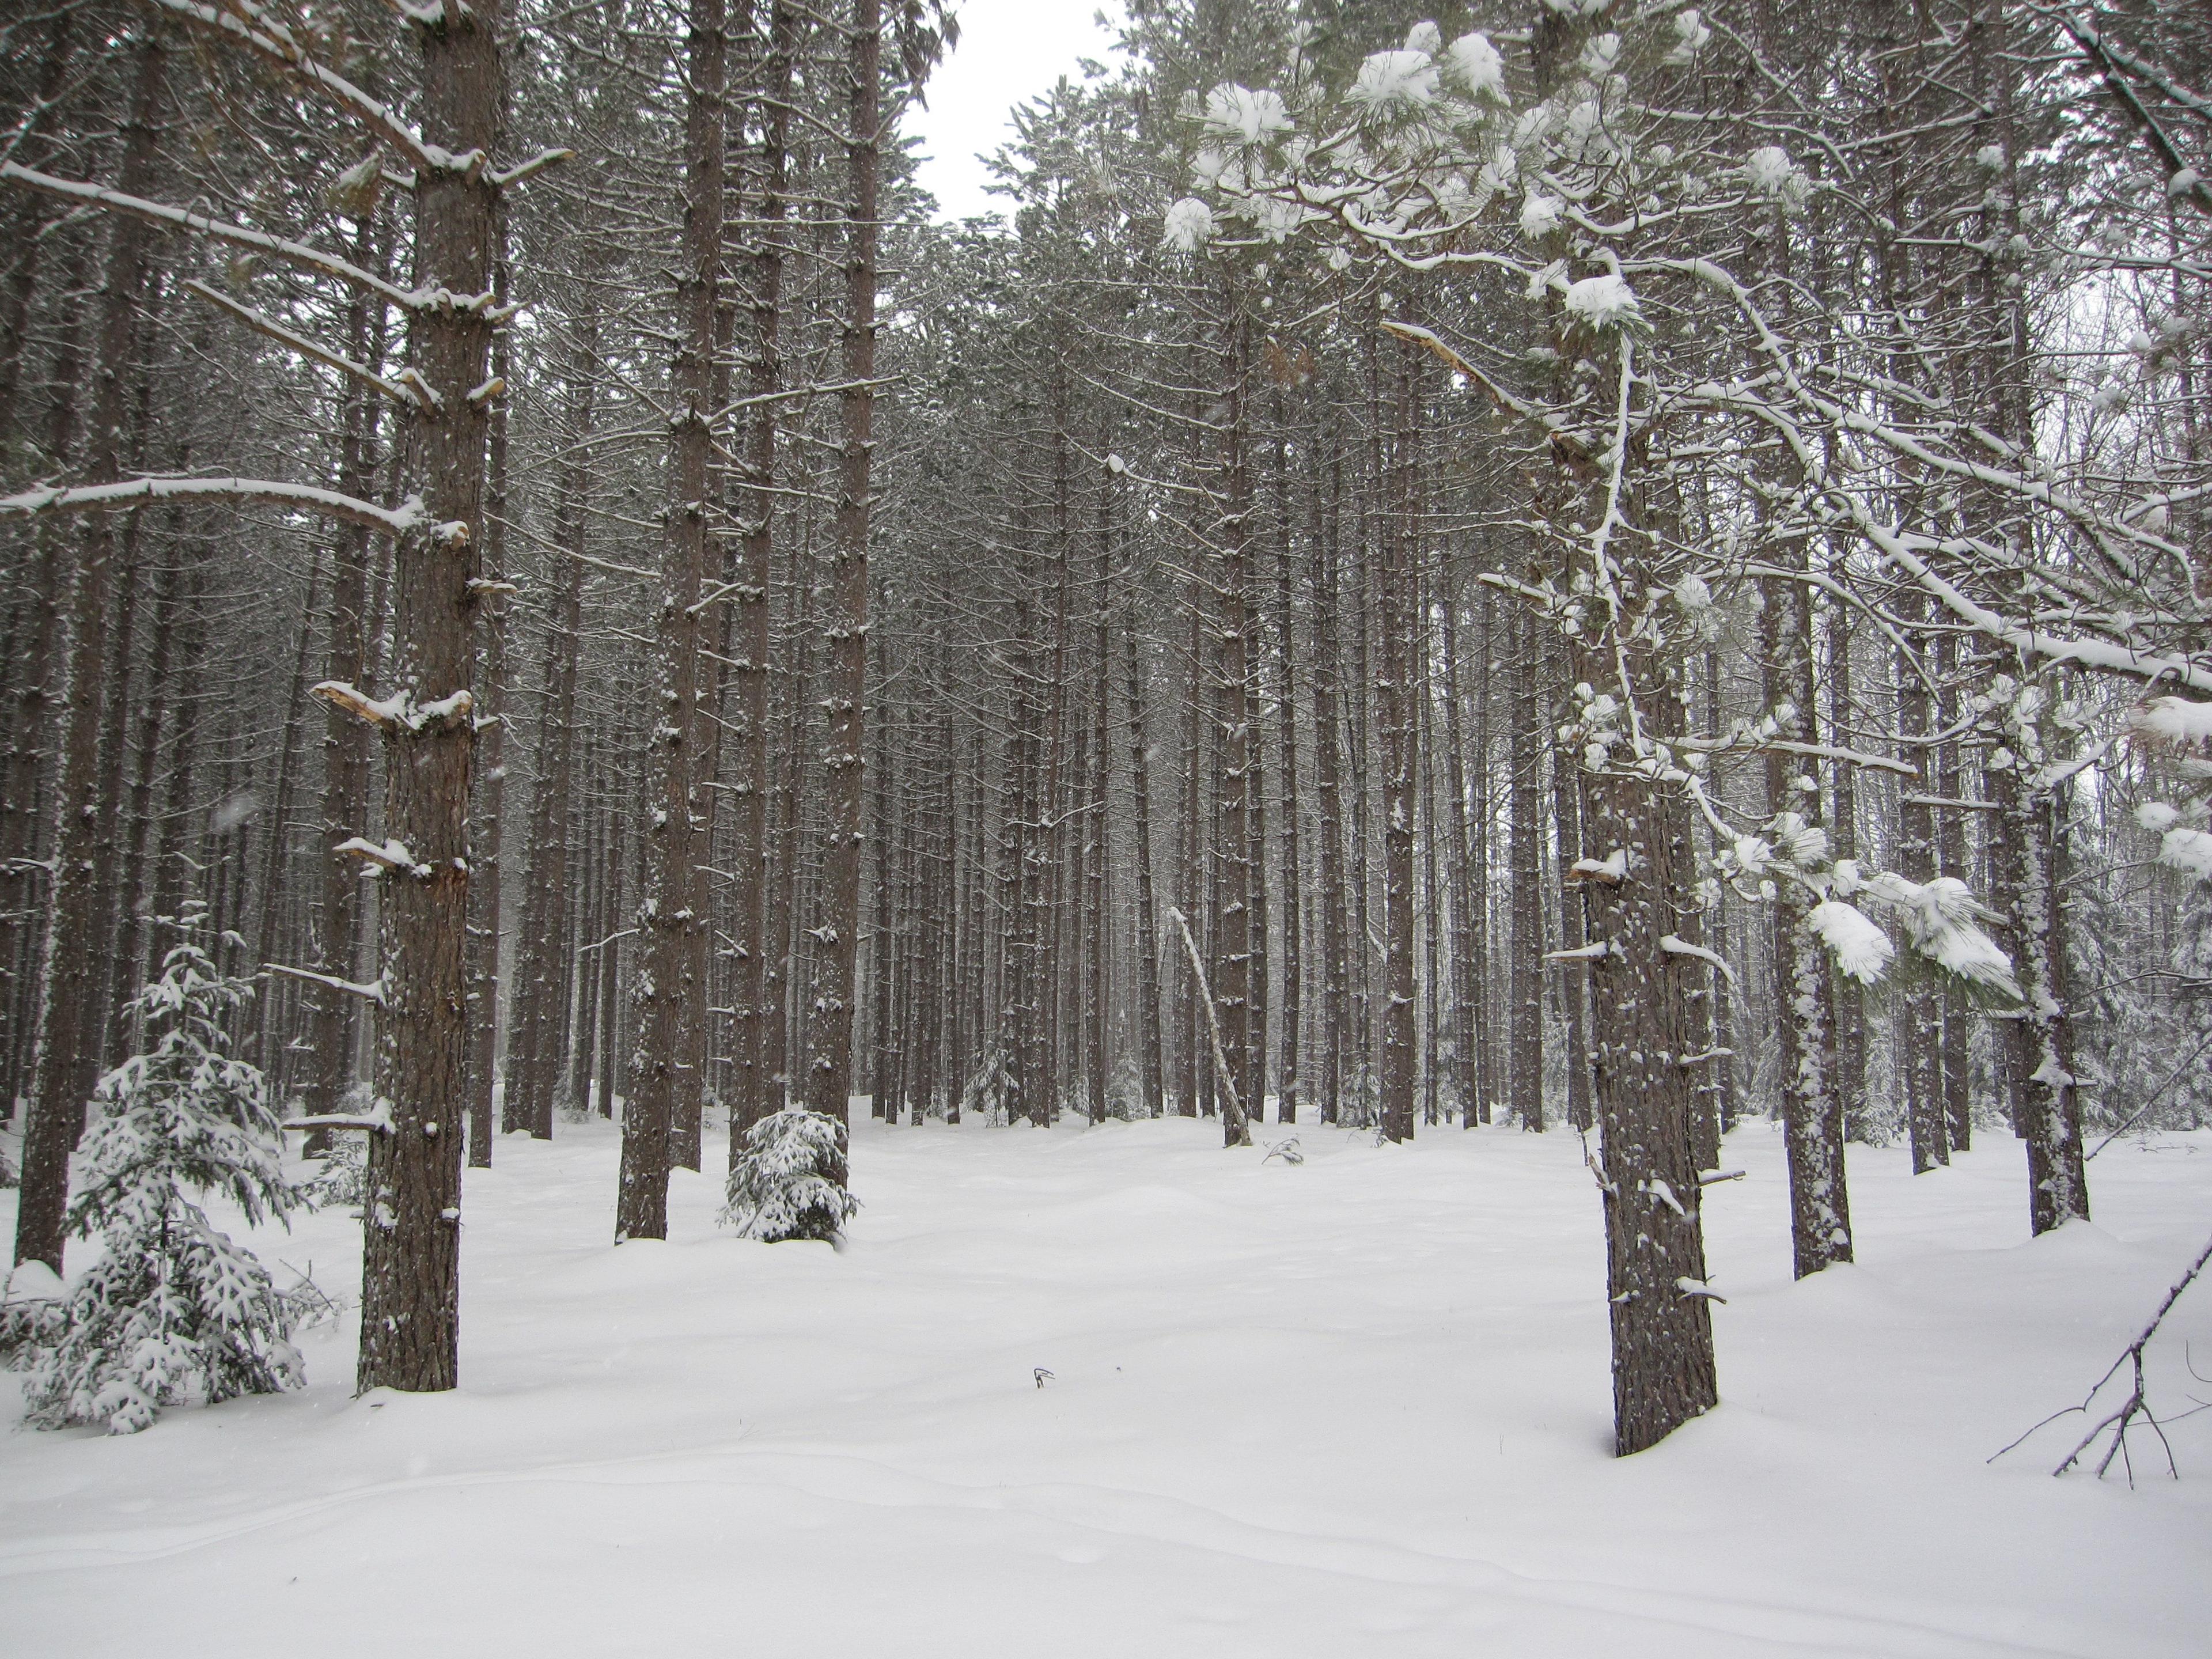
172, 1310
789, 1181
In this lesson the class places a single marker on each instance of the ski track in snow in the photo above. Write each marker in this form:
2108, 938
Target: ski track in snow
1359, 1406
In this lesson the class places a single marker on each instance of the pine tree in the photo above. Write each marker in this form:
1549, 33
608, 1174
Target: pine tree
789, 1181
172, 1310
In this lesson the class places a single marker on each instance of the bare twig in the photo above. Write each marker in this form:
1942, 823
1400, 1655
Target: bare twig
2136, 1406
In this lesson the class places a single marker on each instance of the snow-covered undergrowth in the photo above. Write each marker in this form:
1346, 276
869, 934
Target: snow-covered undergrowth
1353, 1407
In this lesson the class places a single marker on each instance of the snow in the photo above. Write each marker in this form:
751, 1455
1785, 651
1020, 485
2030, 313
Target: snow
1190, 225
2178, 721
1356, 1407
390, 853
30, 1281
1768, 172
1540, 214
1862, 951
1474, 63
1691, 35
1390, 82
1940, 916
2188, 851
1610, 869
1602, 301
1243, 116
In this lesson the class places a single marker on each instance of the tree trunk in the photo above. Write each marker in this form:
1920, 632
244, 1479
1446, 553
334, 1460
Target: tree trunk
1525, 1085
845, 625
346, 759
410, 1279
667, 996
1148, 927
68, 1064
1813, 1115
541, 987
1394, 694
485, 906
1663, 1339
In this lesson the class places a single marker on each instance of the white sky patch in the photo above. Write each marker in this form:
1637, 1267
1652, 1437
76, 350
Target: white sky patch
1010, 51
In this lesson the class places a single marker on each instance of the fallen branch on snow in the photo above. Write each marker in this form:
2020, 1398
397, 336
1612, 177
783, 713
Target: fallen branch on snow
2134, 1407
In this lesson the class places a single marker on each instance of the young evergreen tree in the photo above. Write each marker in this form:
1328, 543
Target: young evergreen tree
172, 1310
789, 1181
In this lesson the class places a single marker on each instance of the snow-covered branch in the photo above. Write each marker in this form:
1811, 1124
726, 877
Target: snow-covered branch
139, 492
271, 38
377, 1122
161, 212
390, 854
306, 348
399, 709
1674, 946
373, 991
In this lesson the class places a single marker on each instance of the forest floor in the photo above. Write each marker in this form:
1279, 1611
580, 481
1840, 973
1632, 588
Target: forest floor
1355, 1407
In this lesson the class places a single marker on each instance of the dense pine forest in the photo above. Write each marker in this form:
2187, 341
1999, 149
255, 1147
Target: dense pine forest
1631, 573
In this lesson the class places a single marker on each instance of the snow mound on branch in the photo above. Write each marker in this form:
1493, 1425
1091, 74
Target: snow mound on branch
2176, 720
1768, 172
1606, 302
1600, 55
1189, 226
789, 1182
1242, 116
2156, 816
1692, 35
1540, 214
1474, 65
1425, 37
1862, 951
1805, 845
1395, 83
1941, 915
2188, 851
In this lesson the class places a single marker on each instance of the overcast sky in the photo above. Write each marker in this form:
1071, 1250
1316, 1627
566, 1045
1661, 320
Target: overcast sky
1010, 51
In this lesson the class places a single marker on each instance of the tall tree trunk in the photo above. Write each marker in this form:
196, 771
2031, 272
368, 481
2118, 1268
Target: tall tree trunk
1230, 649
346, 760
1394, 693
845, 625
1525, 1082
486, 909
1466, 893
1329, 788
668, 998
2030, 877
1148, 927
540, 986
1663, 1337
1813, 1115
68, 1064
1289, 1081
753, 644
1919, 1014
410, 1281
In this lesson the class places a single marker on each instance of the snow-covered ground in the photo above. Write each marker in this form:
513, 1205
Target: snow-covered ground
1357, 1407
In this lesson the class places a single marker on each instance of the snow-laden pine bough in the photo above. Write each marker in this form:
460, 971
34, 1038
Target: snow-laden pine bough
452, 308
1700, 427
